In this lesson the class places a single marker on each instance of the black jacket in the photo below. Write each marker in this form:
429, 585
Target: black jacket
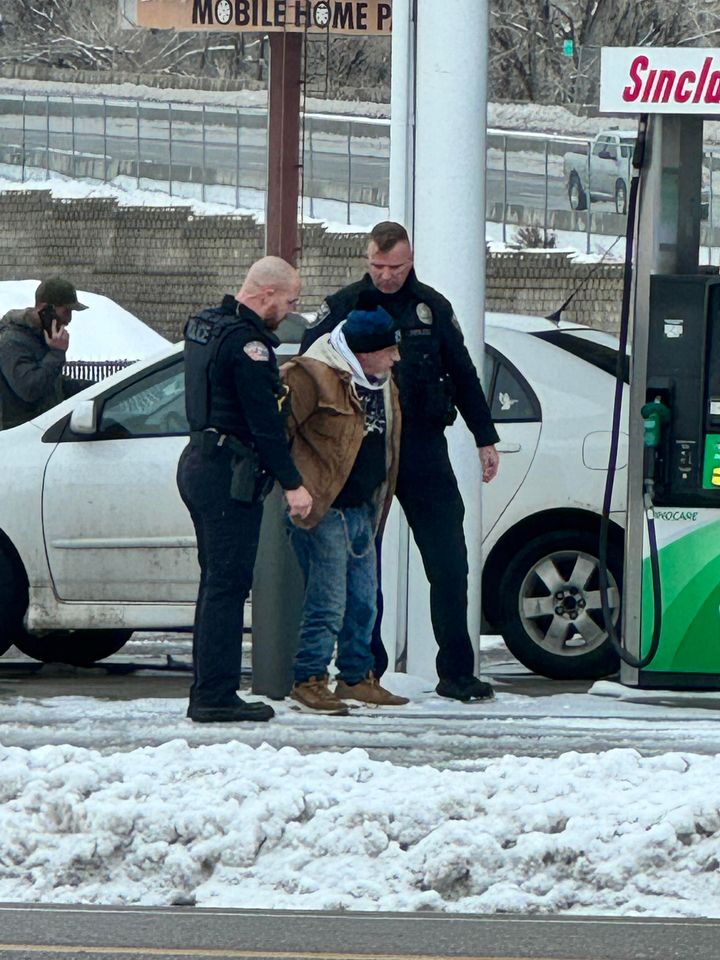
245, 395
436, 373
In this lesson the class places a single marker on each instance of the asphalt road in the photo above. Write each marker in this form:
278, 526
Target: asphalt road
327, 172
83, 931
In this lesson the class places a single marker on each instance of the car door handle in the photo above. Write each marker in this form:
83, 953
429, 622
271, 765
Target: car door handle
507, 447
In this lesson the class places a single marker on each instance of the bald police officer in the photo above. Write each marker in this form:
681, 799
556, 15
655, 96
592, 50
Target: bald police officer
435, 377
237, 449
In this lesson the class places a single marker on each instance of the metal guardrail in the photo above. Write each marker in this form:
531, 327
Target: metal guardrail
216, 153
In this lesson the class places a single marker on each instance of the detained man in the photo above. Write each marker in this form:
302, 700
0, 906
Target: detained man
344, 427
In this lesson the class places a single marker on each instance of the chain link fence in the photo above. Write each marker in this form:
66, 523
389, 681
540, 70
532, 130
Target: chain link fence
219, 154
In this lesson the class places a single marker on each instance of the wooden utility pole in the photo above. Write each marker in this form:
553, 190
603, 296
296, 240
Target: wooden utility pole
283, 166
286, 24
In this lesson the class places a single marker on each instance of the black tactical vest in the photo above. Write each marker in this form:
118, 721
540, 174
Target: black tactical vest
204, 334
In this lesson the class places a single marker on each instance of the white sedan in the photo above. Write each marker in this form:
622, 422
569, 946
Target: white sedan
95, 542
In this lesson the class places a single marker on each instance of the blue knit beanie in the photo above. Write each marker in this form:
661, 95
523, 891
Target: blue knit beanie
369, 330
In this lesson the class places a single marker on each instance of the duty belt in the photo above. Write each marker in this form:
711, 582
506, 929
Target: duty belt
210, 439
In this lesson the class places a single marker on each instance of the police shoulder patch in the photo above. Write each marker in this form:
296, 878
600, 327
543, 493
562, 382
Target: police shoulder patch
256, 350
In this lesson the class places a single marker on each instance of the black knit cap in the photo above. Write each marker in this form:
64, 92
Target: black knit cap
369, 330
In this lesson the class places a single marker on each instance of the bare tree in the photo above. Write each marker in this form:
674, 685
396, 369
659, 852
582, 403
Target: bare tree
527, 41
86, 35
528, 55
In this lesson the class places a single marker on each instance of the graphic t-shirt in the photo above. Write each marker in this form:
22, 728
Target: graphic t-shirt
369, 469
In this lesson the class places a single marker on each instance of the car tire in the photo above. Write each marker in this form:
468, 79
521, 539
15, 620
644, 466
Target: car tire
576, 194
13, 598
79, 648
621, 197
551, 618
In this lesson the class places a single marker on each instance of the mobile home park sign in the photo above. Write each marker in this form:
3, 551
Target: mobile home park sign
357, 17
660, 80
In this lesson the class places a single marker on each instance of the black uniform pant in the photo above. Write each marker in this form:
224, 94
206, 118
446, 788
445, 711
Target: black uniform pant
429, 495
227, 538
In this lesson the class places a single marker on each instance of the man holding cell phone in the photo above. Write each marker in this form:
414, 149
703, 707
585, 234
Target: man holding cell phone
33, 344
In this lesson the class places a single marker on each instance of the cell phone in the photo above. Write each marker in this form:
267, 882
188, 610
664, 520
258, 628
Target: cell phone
47, 314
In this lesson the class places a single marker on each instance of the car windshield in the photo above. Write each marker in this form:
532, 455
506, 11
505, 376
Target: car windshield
598, 354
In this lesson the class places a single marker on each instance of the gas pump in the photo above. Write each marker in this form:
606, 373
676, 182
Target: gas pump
671, 595
682, 464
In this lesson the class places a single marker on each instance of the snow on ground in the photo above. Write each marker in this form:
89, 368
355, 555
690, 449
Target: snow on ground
229, 825
131, 803
105, 331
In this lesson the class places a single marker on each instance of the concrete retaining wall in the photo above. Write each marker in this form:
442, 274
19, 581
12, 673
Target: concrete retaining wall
164, 263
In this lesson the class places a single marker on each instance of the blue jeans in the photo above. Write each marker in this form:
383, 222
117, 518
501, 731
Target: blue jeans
337, 558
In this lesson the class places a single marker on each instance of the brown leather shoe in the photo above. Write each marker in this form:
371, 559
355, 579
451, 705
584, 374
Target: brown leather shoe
369, 691
315, 696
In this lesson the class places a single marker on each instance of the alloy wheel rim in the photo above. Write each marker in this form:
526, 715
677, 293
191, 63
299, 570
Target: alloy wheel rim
560, 606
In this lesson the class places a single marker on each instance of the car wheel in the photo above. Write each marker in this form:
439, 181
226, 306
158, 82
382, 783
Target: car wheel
576, 194
551, 614
621, 197
80, 648
13, 599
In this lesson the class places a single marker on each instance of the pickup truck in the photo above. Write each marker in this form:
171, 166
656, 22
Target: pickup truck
604, 174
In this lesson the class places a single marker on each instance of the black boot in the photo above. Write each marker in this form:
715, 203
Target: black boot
465, 689
240, 710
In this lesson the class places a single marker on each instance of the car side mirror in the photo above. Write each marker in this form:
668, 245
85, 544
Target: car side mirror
83, 419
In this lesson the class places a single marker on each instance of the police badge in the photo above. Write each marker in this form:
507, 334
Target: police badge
424, 313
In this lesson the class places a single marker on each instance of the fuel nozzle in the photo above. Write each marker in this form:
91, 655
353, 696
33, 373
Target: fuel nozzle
656, 415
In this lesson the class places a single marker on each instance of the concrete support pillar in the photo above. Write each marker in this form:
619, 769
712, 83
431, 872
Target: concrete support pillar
402, 115
396, 538
445, 164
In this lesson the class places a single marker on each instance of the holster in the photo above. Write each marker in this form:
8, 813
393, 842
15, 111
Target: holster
244, 478
249, 483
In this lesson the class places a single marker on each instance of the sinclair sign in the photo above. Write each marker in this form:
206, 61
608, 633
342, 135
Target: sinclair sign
660, 80
357, 17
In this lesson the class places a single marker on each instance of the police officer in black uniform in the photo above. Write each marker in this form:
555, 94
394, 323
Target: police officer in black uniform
237, 449
435, 377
